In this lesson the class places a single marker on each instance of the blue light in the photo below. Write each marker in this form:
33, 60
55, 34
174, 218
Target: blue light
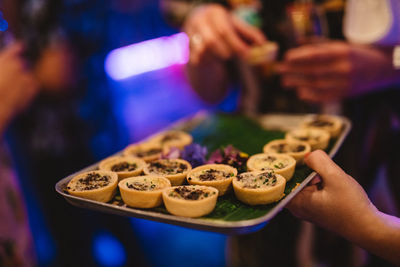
108, 251
3, 23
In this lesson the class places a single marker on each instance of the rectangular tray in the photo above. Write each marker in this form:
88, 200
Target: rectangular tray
230, 216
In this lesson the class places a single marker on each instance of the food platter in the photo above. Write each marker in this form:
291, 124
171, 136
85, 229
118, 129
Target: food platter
230, 216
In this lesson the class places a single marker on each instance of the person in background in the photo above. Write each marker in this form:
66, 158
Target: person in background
358, 77
50, 139
334, 200
18, 87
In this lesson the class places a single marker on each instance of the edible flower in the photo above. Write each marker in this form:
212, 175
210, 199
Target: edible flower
230, 156
195, 154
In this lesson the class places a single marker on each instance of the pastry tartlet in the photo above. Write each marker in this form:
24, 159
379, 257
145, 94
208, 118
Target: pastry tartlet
329, 123
256, 188
218, 176
296, 149
145, 151
95, 185
124, 166
279, 163
317, 138
190, 200
175, 170
143, 191
173, 138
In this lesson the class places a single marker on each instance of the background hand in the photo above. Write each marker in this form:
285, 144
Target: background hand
214, 31
332, 71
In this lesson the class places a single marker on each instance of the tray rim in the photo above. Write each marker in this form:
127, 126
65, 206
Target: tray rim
214, 225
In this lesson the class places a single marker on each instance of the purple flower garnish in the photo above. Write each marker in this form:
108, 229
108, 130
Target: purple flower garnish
195, 154
230, 156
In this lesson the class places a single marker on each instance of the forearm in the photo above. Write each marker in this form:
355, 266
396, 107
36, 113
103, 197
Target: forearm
379, 233
209, 79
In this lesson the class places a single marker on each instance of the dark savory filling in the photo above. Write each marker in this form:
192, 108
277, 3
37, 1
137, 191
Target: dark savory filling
319, 122
190, 193
92, 181
124, 166
149, 152
167, 167
170, 137
284, 148
265, 179
141, 186
212, 174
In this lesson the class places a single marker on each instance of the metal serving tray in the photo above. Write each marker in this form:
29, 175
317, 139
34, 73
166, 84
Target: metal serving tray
213, 130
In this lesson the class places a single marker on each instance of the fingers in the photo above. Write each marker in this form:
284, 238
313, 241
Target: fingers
300, 204
252, 34
318, 53
320, 162
228, 35
214, 30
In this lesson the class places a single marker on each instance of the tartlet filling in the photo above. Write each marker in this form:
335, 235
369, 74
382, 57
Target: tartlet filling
170, 137
307, 137
124, 166
168, 167
287, 148
261, 180
91, 181
320, 122
270, 162
144, 185
190, 193
145, 153
212, 175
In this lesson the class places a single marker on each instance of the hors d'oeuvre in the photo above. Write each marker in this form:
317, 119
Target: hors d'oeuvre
145, 151
124, 166
317, 138
175, 170
190, 200
296, 149
329, 123
173, 138
95, 185
143, 191
218, 176
259, 187
279, 163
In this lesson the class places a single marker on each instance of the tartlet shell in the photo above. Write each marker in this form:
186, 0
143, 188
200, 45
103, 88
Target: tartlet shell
286, 172
333, 130
103, 194
320, 144
298, 156
260, 196
131, 149
190, 208
142, 199
222, 185
175, 179
107, 163
184, 139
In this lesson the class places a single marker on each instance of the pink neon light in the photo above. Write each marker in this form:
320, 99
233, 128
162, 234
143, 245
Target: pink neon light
147, 56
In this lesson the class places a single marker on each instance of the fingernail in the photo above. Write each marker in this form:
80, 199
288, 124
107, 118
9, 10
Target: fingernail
307, 154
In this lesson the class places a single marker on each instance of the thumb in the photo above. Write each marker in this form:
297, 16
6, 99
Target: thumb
320, 162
